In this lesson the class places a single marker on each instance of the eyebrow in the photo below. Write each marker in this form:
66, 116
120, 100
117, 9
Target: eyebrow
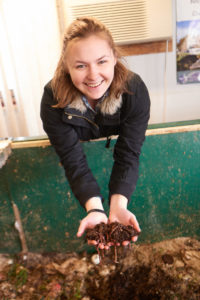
79, 61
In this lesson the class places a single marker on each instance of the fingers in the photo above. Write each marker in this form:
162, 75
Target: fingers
100, 245
125, 243
81, 229
90, 221
107, 246
92, 242
134, 239
134, 223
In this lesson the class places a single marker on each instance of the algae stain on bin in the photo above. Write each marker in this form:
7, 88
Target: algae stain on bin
153, 215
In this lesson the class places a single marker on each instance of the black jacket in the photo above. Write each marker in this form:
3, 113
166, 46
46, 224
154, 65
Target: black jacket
127, 117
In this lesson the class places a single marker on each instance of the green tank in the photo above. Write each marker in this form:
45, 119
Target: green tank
166, 200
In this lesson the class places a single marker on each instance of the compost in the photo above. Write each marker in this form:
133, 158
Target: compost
111, 233
168, 269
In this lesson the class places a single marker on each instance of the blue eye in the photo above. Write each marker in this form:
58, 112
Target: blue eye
101, 62
80, 66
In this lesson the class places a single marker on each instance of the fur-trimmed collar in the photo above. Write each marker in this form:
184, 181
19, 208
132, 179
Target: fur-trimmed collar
108, 106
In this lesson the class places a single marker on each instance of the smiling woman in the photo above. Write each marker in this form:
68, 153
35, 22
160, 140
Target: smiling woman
93, 95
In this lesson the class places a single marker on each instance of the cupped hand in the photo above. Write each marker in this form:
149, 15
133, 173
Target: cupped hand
90, 221
125, 217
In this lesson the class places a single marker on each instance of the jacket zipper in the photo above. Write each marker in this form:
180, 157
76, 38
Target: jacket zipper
94, 124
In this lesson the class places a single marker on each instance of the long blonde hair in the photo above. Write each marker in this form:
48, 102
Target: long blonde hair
63, 88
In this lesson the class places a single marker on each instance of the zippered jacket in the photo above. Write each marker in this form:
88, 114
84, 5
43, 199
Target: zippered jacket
126, 117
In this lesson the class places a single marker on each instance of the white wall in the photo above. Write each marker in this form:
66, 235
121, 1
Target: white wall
170, 101
31, 30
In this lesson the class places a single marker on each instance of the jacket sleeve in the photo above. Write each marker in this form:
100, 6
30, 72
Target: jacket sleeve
66, 142
134, 120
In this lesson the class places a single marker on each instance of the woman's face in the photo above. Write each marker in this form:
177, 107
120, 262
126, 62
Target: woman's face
90, 63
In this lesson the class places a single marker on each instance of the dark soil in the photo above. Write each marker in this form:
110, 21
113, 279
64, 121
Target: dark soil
167, 270
113, 233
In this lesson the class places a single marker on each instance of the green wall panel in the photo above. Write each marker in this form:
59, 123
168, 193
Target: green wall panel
170, 178
166, 200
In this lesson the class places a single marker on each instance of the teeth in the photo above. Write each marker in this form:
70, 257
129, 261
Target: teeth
94, 84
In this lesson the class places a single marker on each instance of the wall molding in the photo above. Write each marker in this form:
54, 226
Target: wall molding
146, 48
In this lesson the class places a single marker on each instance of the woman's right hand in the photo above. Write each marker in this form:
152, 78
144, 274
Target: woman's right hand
90, 221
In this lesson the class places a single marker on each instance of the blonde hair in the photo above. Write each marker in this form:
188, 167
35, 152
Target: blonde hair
63, 88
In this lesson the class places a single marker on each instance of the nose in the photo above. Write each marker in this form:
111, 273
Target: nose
92, 72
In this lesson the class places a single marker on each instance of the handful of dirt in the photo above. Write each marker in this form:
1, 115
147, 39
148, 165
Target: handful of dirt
114, 233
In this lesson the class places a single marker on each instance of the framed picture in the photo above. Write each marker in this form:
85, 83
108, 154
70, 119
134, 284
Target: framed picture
188, 41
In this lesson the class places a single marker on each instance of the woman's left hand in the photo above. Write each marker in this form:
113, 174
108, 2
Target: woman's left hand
120, 213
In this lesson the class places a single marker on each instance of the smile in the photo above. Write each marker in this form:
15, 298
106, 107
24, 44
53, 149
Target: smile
94, 85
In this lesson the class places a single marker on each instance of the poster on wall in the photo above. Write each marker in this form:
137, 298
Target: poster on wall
188, 41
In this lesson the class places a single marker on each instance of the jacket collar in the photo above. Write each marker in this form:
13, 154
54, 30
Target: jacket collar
108, 106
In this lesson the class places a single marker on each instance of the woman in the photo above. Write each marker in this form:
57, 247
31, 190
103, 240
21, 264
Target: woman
93, 95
